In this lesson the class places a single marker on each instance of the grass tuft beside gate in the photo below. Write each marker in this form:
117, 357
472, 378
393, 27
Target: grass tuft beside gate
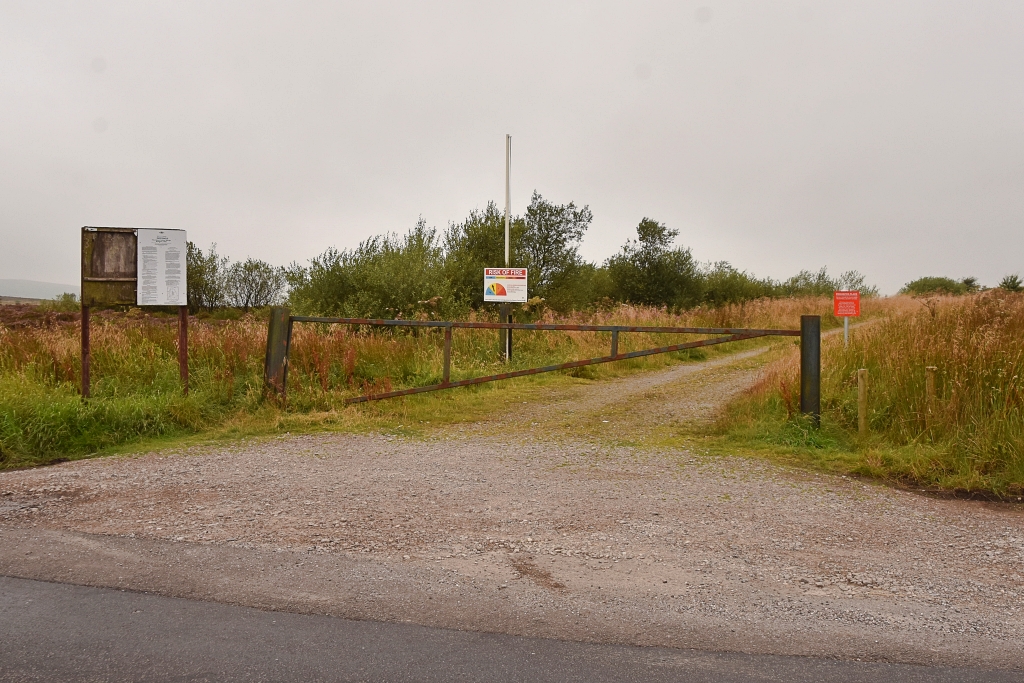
969, 439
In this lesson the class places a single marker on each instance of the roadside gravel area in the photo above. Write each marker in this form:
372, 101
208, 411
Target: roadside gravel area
558, 522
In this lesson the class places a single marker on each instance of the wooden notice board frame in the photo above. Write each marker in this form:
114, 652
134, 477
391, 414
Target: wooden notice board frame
110, 277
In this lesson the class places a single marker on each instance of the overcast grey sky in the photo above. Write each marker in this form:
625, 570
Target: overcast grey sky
881, 136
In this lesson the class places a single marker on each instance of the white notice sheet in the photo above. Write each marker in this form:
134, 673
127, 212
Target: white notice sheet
161, 267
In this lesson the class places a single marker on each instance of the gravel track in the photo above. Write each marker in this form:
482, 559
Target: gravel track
573, 528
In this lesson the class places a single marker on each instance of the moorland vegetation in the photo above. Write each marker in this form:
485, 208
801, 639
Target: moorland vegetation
971, 440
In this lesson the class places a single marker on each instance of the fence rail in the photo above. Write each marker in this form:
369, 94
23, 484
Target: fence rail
281, 323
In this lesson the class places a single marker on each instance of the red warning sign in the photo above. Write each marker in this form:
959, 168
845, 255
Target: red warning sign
846, 304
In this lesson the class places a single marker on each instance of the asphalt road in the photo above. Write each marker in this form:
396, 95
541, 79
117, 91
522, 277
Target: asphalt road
61, 632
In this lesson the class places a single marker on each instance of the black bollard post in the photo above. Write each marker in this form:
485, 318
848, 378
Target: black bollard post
810, 367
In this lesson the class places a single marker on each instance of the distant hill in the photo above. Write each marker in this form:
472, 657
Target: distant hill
30, 289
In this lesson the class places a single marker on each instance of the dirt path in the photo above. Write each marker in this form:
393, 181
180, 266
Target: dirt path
573, 528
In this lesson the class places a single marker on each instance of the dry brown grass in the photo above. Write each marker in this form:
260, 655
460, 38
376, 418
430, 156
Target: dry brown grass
970, 438
136, 390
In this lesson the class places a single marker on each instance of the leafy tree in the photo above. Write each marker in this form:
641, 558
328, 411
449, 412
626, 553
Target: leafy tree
550, 245
650, 271
386, 276
722, 284
205, 277
1011, 283
854, 280
939, 285
477, 243
253, 284
810, 283
971, 284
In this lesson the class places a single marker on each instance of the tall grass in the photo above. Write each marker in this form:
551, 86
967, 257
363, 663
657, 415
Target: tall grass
971, 438
136, 391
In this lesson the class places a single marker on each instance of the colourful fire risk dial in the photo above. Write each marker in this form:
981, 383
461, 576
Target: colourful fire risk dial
846, 304
505, 285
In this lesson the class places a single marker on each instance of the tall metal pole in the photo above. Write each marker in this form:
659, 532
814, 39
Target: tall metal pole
506, 310
508, 196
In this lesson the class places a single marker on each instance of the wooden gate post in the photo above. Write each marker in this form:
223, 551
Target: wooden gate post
810, 367
929, 396
862, 402
275, 368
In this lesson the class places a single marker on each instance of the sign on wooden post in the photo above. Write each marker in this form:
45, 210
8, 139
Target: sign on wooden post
134, 266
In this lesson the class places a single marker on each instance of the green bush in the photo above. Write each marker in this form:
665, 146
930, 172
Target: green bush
940, 285
384, 277
650, 271
1011, 283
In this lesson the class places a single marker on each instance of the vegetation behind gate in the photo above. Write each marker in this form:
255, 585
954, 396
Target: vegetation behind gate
970, 439
136, 392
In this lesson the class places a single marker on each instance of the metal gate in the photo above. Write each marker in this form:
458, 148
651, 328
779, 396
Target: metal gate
281, 323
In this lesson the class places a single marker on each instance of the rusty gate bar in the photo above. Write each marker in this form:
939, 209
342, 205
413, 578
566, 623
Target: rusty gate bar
550, 368
279, 346
544, 326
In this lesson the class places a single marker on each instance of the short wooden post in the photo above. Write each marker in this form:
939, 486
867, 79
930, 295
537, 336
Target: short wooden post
447, 355
183, 347
929, 395
862, 402
86, 351
615, 343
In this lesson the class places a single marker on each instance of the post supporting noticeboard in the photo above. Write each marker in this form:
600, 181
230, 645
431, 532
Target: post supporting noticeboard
846, 331
810, 367
183, 346
85, 351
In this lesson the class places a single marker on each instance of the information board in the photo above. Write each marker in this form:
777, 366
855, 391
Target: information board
108, 266
846, 304
161, 268
505, 285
